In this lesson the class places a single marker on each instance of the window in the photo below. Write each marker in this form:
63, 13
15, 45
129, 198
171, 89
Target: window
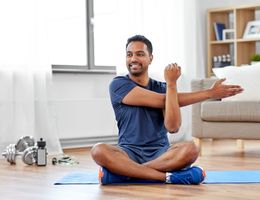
105, 28
77, 36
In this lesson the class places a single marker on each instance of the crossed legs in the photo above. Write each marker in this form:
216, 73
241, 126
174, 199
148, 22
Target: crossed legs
117, 161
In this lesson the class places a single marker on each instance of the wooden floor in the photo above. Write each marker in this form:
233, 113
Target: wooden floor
22, 182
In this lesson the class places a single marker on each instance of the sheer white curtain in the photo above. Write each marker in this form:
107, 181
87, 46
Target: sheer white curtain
25, 74
171, 27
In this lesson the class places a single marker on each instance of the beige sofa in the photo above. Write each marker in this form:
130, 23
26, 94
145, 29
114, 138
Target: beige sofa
218, 119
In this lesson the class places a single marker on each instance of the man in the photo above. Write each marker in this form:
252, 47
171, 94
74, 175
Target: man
145, 110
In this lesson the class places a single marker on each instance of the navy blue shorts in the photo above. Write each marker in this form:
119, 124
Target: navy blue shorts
143, 154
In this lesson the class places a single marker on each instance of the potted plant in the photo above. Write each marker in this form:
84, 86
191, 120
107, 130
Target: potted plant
255, 59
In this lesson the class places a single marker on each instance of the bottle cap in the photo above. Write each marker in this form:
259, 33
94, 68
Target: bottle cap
41, 143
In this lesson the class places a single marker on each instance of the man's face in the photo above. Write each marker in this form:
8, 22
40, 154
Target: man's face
137, 58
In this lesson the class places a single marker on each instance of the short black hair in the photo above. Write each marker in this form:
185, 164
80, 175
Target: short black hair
143, 39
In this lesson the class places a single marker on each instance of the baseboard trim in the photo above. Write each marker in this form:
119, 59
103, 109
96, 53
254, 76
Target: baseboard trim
68, 143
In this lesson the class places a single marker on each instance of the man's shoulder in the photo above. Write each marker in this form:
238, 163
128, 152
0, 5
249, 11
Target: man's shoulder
121, 82
118, 80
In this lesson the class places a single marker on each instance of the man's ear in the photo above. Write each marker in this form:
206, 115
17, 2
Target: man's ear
151, 58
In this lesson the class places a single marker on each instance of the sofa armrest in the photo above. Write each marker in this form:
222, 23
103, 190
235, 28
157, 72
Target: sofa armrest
197, 85
202, 84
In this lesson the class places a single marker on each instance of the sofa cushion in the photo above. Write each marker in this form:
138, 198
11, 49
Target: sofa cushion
236, 111
246, 76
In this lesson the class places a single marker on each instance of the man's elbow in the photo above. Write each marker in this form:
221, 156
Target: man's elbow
171, 131
172, 127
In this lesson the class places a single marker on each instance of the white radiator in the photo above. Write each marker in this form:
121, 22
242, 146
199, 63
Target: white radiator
89, 120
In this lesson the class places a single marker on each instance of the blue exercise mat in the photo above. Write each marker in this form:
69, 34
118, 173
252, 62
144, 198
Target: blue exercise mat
76, 178
213, 177
232, 177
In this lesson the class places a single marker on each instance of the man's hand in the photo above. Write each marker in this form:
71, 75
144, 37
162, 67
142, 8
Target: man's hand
219, 90
171, 73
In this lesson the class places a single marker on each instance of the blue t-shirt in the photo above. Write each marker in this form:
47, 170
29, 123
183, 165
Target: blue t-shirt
138, 125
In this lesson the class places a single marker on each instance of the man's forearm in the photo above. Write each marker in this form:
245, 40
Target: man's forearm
172, 117
193, 97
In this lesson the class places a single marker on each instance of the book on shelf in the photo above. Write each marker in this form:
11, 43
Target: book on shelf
218, 28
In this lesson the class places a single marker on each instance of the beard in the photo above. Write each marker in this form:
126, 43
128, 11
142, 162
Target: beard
135, 70
137, 74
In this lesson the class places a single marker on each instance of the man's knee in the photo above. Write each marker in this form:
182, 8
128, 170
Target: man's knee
98, 152
192, 151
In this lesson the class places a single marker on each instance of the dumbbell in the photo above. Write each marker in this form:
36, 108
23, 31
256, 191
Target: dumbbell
24, 142
30, 155
24, 147
10, 153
